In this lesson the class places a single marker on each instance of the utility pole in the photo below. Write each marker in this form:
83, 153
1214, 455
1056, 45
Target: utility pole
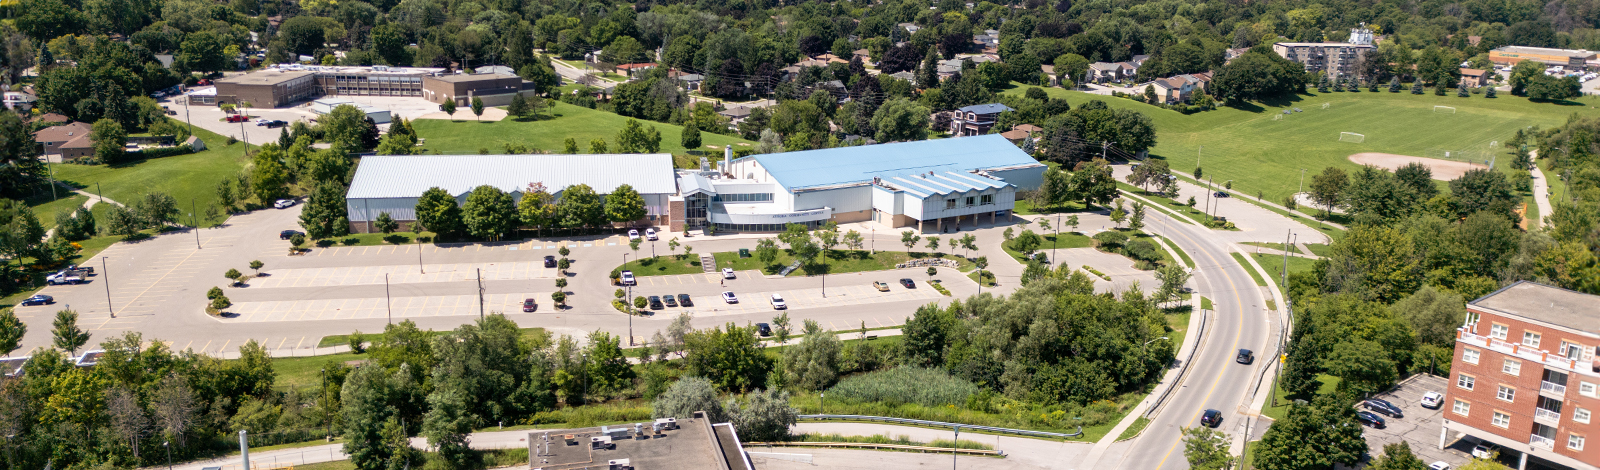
107, 274
386, 300
1208, 201
1302, 182
480, 293
1286, 258
196, 217
419, 259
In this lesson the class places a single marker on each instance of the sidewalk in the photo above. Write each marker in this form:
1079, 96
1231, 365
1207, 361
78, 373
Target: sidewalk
1541, 193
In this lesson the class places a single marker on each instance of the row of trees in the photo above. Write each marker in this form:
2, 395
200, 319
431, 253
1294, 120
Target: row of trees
490, 213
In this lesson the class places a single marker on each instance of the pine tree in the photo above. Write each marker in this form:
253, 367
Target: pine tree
68, 337
691, 136
928, 75
1461, 91
1488, 91
1416, 87
1394, 84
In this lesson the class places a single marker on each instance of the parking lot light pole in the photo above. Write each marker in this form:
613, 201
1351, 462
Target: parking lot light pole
196, 217
107, 274
386, 300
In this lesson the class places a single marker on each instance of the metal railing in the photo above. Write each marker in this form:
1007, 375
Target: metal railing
869, 445
1541, 441
1552, 388
1198, 338
1541, 413
918, 422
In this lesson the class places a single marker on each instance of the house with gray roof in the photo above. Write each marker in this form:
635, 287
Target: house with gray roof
976, 119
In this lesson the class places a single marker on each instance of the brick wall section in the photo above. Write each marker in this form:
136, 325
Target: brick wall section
675, 216
1489, 374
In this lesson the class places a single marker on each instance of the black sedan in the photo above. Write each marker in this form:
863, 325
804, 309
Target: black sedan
549, 261
1370, 419
287, 234
683, 299
39, 300
655, 302
910, 284
1384, 407
1211, 418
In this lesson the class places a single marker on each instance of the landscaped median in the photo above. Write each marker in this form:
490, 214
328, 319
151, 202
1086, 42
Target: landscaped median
1142, 248
838, 262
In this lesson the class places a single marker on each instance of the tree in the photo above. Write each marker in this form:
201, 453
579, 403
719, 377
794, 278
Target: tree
631, 139
624, 205
767, 251
580, 207
202, 51
909, 239
854, 240
233, 275
1363, 366
927, 335
570, 147
1172, 279
325, 214
1136, 222
535, 208
1523, 74
128, 418
597, 146
1118, 214
11, 331
437, 211
385, 223
269, 179
691, 136
1482, 189
489, 213
686, 396
1258, 74
225, 194
814, 363
1312, 436
477, 107
933, 244
68, 337
110, 141
1548, 88
1206, 449
763, 416
518, 106
729, 356
365, 397
1094, 182
1327, 187
1398, 456
174, 407
449, 108
900, 119
345, 127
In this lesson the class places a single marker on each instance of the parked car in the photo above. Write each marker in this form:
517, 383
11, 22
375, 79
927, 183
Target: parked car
683, 299
1220, 194
549, 261
1440, 465
1211, 418
274, 124
627, 278
1485, 450
262, 121
63, 278
1432, 400
655, 303
1245, 356
650, 234
670, 300
283, 203
778, 303
764, 329
729, 298
287, 234
1383, 406
910, 284
1370, 419
881, 286
238, 118
529, 305
633, 234
727, 273
38, 300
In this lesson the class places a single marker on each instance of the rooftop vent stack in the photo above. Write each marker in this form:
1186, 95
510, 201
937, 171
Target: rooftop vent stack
727, 157
705, 165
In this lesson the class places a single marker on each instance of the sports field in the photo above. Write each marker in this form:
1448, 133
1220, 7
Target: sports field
1262, 154
550, 134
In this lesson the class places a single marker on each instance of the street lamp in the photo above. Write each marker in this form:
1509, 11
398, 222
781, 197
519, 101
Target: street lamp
107, 274
165, 445
1147, 343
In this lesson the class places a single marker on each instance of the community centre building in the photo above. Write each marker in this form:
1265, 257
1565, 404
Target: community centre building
278, 86
1511, 55
933, 185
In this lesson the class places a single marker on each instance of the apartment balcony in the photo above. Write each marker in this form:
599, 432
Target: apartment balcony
1547, 358
1541, 442
1552, 390
1547, 417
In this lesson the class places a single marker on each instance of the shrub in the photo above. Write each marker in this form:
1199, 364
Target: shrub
324, 243
905, 384
1110, 240
1142, 250
350, 241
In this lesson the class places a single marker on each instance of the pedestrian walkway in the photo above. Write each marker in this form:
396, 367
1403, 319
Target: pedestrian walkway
1541, 193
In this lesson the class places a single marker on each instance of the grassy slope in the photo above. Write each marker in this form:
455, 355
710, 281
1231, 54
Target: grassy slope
550, 134
1259, 154
187, 178
46, 209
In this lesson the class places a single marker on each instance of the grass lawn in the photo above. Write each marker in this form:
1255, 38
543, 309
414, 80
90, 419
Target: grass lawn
296, 372
1282, 399
1133, 430
987, 281
1178, 325
1025, 207
344, 339
1205, 303
1167, 204
664, 266
1274, 264
550, 134
1246, 145
1246, 265
46, 209
371, 239
839, 261
190, 179
1187, 261
1065, 239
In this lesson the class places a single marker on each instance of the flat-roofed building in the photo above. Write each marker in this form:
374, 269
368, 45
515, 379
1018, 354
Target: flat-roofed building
278, 86
1336, 59
1525, 375
685, 443
495, 89
269, 88
1511, 55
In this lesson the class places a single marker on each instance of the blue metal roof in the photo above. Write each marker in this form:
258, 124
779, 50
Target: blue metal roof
986, 108
948, 182
827, 167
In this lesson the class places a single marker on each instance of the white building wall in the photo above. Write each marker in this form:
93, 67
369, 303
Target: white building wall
886, 201
364, 210
750, 169
849, 199
934, 206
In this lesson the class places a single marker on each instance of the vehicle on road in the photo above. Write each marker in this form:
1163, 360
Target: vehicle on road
529, 305
1440, 465
1211, 418
262, 121
881, 286
764, 329
287, 234
670, 300
655, 302
627, 278
1383, 406
549, 261
238, 118
1485, 450
274, 124
777, 302
910, 284
727, 273
729, 298
650, 234
1370, 419
1245, 356
283, 204
1432, 400
1220, 194
38, 300
633, 234
683, 299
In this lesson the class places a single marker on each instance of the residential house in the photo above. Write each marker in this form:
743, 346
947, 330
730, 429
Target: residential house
949, 67
864, 55
1474, 78
1180, 88
20, 101
1022, 131
69, 141
691, 81
907, 76
910, 27
52, 117
735, 114
1101, 72
831, 59
632, 69
976, 119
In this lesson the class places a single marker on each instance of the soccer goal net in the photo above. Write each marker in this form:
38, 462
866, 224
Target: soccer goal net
1352, 137
1444, 110
1277, 117
1326, 105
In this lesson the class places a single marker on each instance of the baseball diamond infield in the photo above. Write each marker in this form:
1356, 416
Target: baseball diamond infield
1443, 170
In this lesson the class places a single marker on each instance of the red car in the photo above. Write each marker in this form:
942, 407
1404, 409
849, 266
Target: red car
238, 118
529, 305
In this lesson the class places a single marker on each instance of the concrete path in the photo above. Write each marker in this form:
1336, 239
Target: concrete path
1256, 224
1541, 195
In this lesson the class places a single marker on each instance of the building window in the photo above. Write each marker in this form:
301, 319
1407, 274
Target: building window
1462, 408
1501, 420
1586, 389
971, 200
1574, 442
1498, 331
1506, 393
1469, 355
1580, 415
1512, 367
949, 203
1530, 339
986, 199
1464, 381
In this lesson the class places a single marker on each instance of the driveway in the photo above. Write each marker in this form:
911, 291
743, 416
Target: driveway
1255, 223
1419, 427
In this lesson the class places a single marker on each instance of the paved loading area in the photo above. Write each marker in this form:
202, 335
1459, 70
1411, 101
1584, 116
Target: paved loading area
1420, 426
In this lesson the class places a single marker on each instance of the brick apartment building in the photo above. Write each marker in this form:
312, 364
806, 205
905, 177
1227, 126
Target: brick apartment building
1524, 375
1336, 59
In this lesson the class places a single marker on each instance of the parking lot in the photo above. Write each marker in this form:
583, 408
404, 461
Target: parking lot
397, 307
404, 274
853, 292
1420, 426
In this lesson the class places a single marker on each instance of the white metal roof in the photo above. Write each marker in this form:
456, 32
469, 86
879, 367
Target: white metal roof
400, 176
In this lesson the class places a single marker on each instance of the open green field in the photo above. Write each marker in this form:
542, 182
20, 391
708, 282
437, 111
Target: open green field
46, 209
190, 179
1259, 154
551, 133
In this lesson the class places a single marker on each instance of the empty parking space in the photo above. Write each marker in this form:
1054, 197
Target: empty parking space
402, 307
402, 274
1419, 427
